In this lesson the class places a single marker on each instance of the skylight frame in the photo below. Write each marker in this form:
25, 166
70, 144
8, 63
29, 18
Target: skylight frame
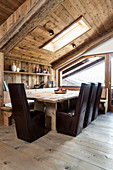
62, 39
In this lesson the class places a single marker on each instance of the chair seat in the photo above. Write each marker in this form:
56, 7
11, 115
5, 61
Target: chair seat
35, 113
30, 125
70, 121
67, 112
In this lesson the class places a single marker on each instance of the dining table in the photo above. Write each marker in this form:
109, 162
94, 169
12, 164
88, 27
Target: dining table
48, 102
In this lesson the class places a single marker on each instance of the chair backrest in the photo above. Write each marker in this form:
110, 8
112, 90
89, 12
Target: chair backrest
97, 101
90, 105
20, 108
81, 107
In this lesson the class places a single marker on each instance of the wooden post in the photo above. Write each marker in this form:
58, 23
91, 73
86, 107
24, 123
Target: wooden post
51, 116
108, 78
1, 82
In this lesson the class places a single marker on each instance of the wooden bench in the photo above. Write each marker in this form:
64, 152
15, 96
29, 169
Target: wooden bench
103, 106
7, 115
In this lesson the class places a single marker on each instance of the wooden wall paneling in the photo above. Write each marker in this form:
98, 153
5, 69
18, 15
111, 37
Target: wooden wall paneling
26, 59
29, 67
52, 76
29, 80
7, 65
8, 78
34, 81
37, 80
1, 82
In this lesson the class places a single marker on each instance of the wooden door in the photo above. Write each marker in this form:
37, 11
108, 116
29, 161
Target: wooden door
1, 80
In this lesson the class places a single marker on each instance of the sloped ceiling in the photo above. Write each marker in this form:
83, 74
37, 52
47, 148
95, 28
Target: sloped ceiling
7, 7
99, 15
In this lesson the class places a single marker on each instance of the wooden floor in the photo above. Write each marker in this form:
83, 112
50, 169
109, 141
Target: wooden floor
91, 150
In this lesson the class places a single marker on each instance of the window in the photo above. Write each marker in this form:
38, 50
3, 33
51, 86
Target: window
73, 31
92, 72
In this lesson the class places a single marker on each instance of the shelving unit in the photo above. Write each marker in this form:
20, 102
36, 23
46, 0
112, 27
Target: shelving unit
26, 73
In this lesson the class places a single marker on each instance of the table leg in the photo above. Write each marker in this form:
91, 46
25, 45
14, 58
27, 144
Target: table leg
51, 115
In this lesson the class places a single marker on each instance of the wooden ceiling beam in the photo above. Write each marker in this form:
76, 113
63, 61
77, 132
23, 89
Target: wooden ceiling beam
31, 18
81, 50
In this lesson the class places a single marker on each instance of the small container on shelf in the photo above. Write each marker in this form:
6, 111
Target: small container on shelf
13, 67
18, 69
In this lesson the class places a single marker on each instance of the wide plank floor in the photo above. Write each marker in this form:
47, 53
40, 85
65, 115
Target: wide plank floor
91, 150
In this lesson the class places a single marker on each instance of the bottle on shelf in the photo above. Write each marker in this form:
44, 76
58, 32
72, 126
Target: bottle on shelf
13, 67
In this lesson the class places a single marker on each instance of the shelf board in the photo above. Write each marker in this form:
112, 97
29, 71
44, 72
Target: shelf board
26, 73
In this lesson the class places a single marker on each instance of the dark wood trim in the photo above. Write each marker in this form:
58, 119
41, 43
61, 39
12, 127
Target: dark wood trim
74, 66
83, 68
73, 62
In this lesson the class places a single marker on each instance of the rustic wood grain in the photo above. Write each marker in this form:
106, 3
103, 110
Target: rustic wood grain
92, 149
37, 12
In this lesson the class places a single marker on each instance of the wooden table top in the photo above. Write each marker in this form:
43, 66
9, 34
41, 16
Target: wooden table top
52, 97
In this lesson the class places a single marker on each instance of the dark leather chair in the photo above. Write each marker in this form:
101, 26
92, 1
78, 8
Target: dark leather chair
30, 125
70, 122
97, 101
90, 105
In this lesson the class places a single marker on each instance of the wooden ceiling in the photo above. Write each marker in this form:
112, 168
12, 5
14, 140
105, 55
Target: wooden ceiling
99, 15
7, 7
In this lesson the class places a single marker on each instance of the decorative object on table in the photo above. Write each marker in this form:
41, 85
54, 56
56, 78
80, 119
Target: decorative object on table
13, 67
60, 91
18, 69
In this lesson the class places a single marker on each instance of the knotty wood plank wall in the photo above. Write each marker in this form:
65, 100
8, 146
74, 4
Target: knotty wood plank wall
29, 80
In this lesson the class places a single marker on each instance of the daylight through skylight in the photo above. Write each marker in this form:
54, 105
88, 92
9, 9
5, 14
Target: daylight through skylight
75, 30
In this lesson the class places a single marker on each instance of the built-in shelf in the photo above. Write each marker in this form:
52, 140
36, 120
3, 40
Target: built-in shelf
26, 73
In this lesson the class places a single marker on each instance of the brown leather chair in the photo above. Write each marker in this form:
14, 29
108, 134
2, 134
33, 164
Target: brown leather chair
30, 125
97, 101
70, 122
90, 105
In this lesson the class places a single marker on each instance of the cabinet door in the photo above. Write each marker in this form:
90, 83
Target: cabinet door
1, 77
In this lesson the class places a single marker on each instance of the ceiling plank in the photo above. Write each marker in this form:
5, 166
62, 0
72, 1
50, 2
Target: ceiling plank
31, 18
82, 49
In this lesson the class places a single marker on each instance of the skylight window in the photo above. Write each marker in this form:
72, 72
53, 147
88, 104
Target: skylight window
73, 31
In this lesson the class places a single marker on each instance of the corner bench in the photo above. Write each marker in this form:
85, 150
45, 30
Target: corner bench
103, 106
6, 112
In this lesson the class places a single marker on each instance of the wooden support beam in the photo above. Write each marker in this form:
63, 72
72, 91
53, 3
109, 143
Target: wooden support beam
31, 18
82, 49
